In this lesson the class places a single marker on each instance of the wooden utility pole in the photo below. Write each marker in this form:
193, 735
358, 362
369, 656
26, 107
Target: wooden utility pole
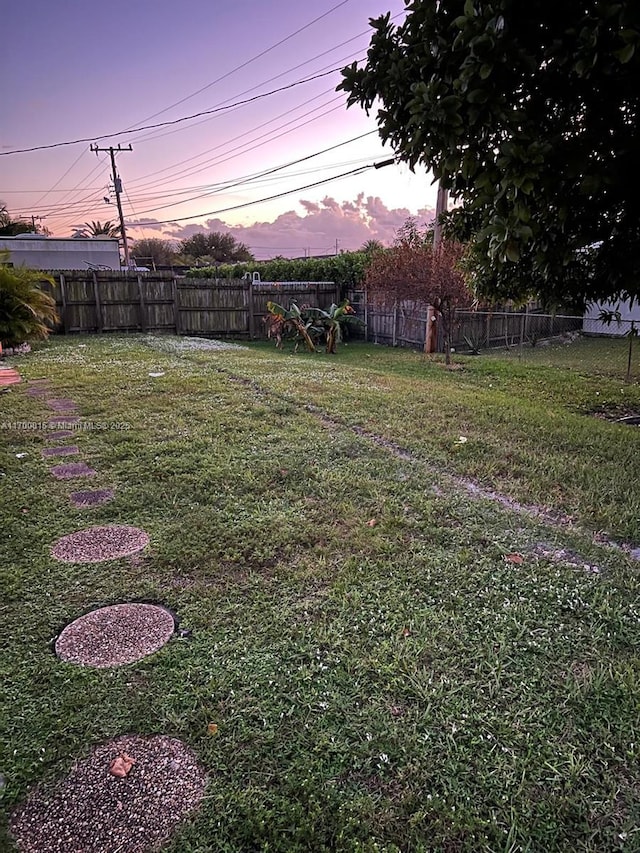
441, 207
117, 185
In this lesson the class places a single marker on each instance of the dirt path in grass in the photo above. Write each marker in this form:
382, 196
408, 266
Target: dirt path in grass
550, 517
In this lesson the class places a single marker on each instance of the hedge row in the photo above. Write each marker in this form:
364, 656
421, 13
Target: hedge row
347, 269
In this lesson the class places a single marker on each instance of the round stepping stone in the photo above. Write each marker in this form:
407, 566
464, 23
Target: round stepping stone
97, 544
58, 434
38, 391
91, 498
72, 470
115, 635
91, 809
68, 450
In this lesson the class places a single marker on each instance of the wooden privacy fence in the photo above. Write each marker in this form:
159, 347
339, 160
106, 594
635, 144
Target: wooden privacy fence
105, 301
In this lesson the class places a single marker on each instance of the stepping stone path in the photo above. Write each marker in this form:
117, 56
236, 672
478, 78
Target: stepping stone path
115, 635
92, 810
131, 793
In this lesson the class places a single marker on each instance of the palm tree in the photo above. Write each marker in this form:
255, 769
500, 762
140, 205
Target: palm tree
102, 229
9, 226
371, 246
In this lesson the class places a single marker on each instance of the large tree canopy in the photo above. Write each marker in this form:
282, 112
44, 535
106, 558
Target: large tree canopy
153, 251
214, 247
528, 112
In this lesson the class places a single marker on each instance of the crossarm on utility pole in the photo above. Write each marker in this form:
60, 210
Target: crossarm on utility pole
117, 185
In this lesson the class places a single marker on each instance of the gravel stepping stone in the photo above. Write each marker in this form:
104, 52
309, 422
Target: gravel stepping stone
62, 405
91, 810
71, 470
63, 421
61, 433
68, 450
115, 635
91, 498
97, 544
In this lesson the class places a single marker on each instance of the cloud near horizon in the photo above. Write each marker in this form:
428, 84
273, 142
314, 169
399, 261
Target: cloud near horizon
291, 234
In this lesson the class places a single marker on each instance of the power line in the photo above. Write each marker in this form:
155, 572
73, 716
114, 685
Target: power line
357, 171
173, 121
247, 62
60, 208
195, 168
240, 181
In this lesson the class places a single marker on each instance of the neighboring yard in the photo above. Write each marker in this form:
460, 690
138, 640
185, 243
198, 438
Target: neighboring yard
391, 657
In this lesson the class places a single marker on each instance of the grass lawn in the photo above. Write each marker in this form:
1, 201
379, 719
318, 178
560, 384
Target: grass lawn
381, 677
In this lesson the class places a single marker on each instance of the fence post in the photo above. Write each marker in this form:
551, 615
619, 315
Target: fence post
143, 307
431, 331
96, 296
251, 307
366, 317
632, 332
63, 296
176, 306
523, 326
395, 324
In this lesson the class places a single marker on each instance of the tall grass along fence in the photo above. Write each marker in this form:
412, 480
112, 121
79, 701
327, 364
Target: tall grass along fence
105, 301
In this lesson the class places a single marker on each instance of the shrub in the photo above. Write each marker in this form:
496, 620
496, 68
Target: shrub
26, 311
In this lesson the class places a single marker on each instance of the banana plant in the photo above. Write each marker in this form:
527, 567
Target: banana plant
282, 320
332, 320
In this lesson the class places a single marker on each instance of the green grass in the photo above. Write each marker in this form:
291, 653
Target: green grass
396, 687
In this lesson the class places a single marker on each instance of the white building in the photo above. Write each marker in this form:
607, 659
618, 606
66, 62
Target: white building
53, 253
593, 325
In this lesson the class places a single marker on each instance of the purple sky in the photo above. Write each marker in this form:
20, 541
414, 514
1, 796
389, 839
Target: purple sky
73, 70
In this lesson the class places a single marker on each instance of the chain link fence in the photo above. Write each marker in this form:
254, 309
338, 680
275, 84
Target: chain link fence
580, 342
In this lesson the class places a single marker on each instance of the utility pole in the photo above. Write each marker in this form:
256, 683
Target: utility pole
117, 185
33, 221
441, 207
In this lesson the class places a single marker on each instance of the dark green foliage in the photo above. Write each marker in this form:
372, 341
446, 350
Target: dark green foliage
153, 251
102, 229
26, 311
214, 247
311, 325
528, 113
9, 226
346, 269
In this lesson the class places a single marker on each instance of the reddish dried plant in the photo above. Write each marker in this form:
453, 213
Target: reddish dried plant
413, 274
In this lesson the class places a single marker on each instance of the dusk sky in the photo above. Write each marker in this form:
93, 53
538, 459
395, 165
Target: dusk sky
79, 70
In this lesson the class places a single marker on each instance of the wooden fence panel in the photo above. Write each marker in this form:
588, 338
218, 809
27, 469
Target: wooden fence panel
213, 307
